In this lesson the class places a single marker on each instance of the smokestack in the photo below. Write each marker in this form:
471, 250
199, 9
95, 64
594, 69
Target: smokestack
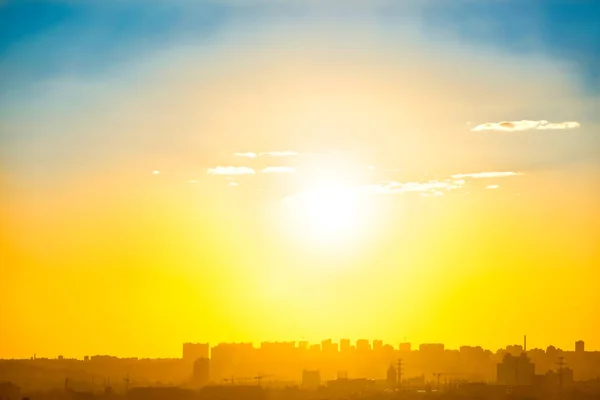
525, 344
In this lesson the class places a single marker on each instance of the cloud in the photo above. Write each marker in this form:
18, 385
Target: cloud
478, 175
434, 187
560, 125
279, 154
267, 154
248, 155
524, 125
278, 170
231, 171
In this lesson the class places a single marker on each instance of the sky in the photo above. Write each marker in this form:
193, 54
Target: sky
259, 170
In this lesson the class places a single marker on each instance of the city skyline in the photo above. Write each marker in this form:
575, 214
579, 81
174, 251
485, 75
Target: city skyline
251, 170
327, 369
337, 346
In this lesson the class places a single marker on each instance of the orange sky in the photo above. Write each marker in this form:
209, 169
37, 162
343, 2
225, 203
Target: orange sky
368, 232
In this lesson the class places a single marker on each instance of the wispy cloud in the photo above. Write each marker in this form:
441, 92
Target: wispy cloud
525, 125
247, 155
433, 187
279, 154
253, 155
231, 171
560, 125
278, 170
479, 175
426, 187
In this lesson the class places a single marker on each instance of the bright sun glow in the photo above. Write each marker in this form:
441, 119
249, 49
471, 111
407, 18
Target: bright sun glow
327, 215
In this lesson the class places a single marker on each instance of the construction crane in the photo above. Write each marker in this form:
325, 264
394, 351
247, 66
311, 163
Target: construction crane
440, 374
260, 377
232, 380
238, 379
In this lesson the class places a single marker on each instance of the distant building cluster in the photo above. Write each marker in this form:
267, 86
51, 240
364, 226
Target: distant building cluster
343, 368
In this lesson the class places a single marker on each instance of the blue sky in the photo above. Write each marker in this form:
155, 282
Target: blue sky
109, 44
36, 35
39, 39
565, 29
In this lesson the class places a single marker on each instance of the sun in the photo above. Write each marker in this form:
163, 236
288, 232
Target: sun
326, 215
328, 211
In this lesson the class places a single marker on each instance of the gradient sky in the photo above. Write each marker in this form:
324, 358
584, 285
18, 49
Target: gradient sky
255, 170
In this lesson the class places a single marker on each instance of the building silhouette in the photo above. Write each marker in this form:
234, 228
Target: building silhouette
281, 364
363, 345
516, 371
232, 361
431, 348
327, 346
344, 388
9, 391
345, 345
404, 347
194, 351
311, 380
160, 393
377, 345
201, 376
563, 376
392, 377
232, 392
